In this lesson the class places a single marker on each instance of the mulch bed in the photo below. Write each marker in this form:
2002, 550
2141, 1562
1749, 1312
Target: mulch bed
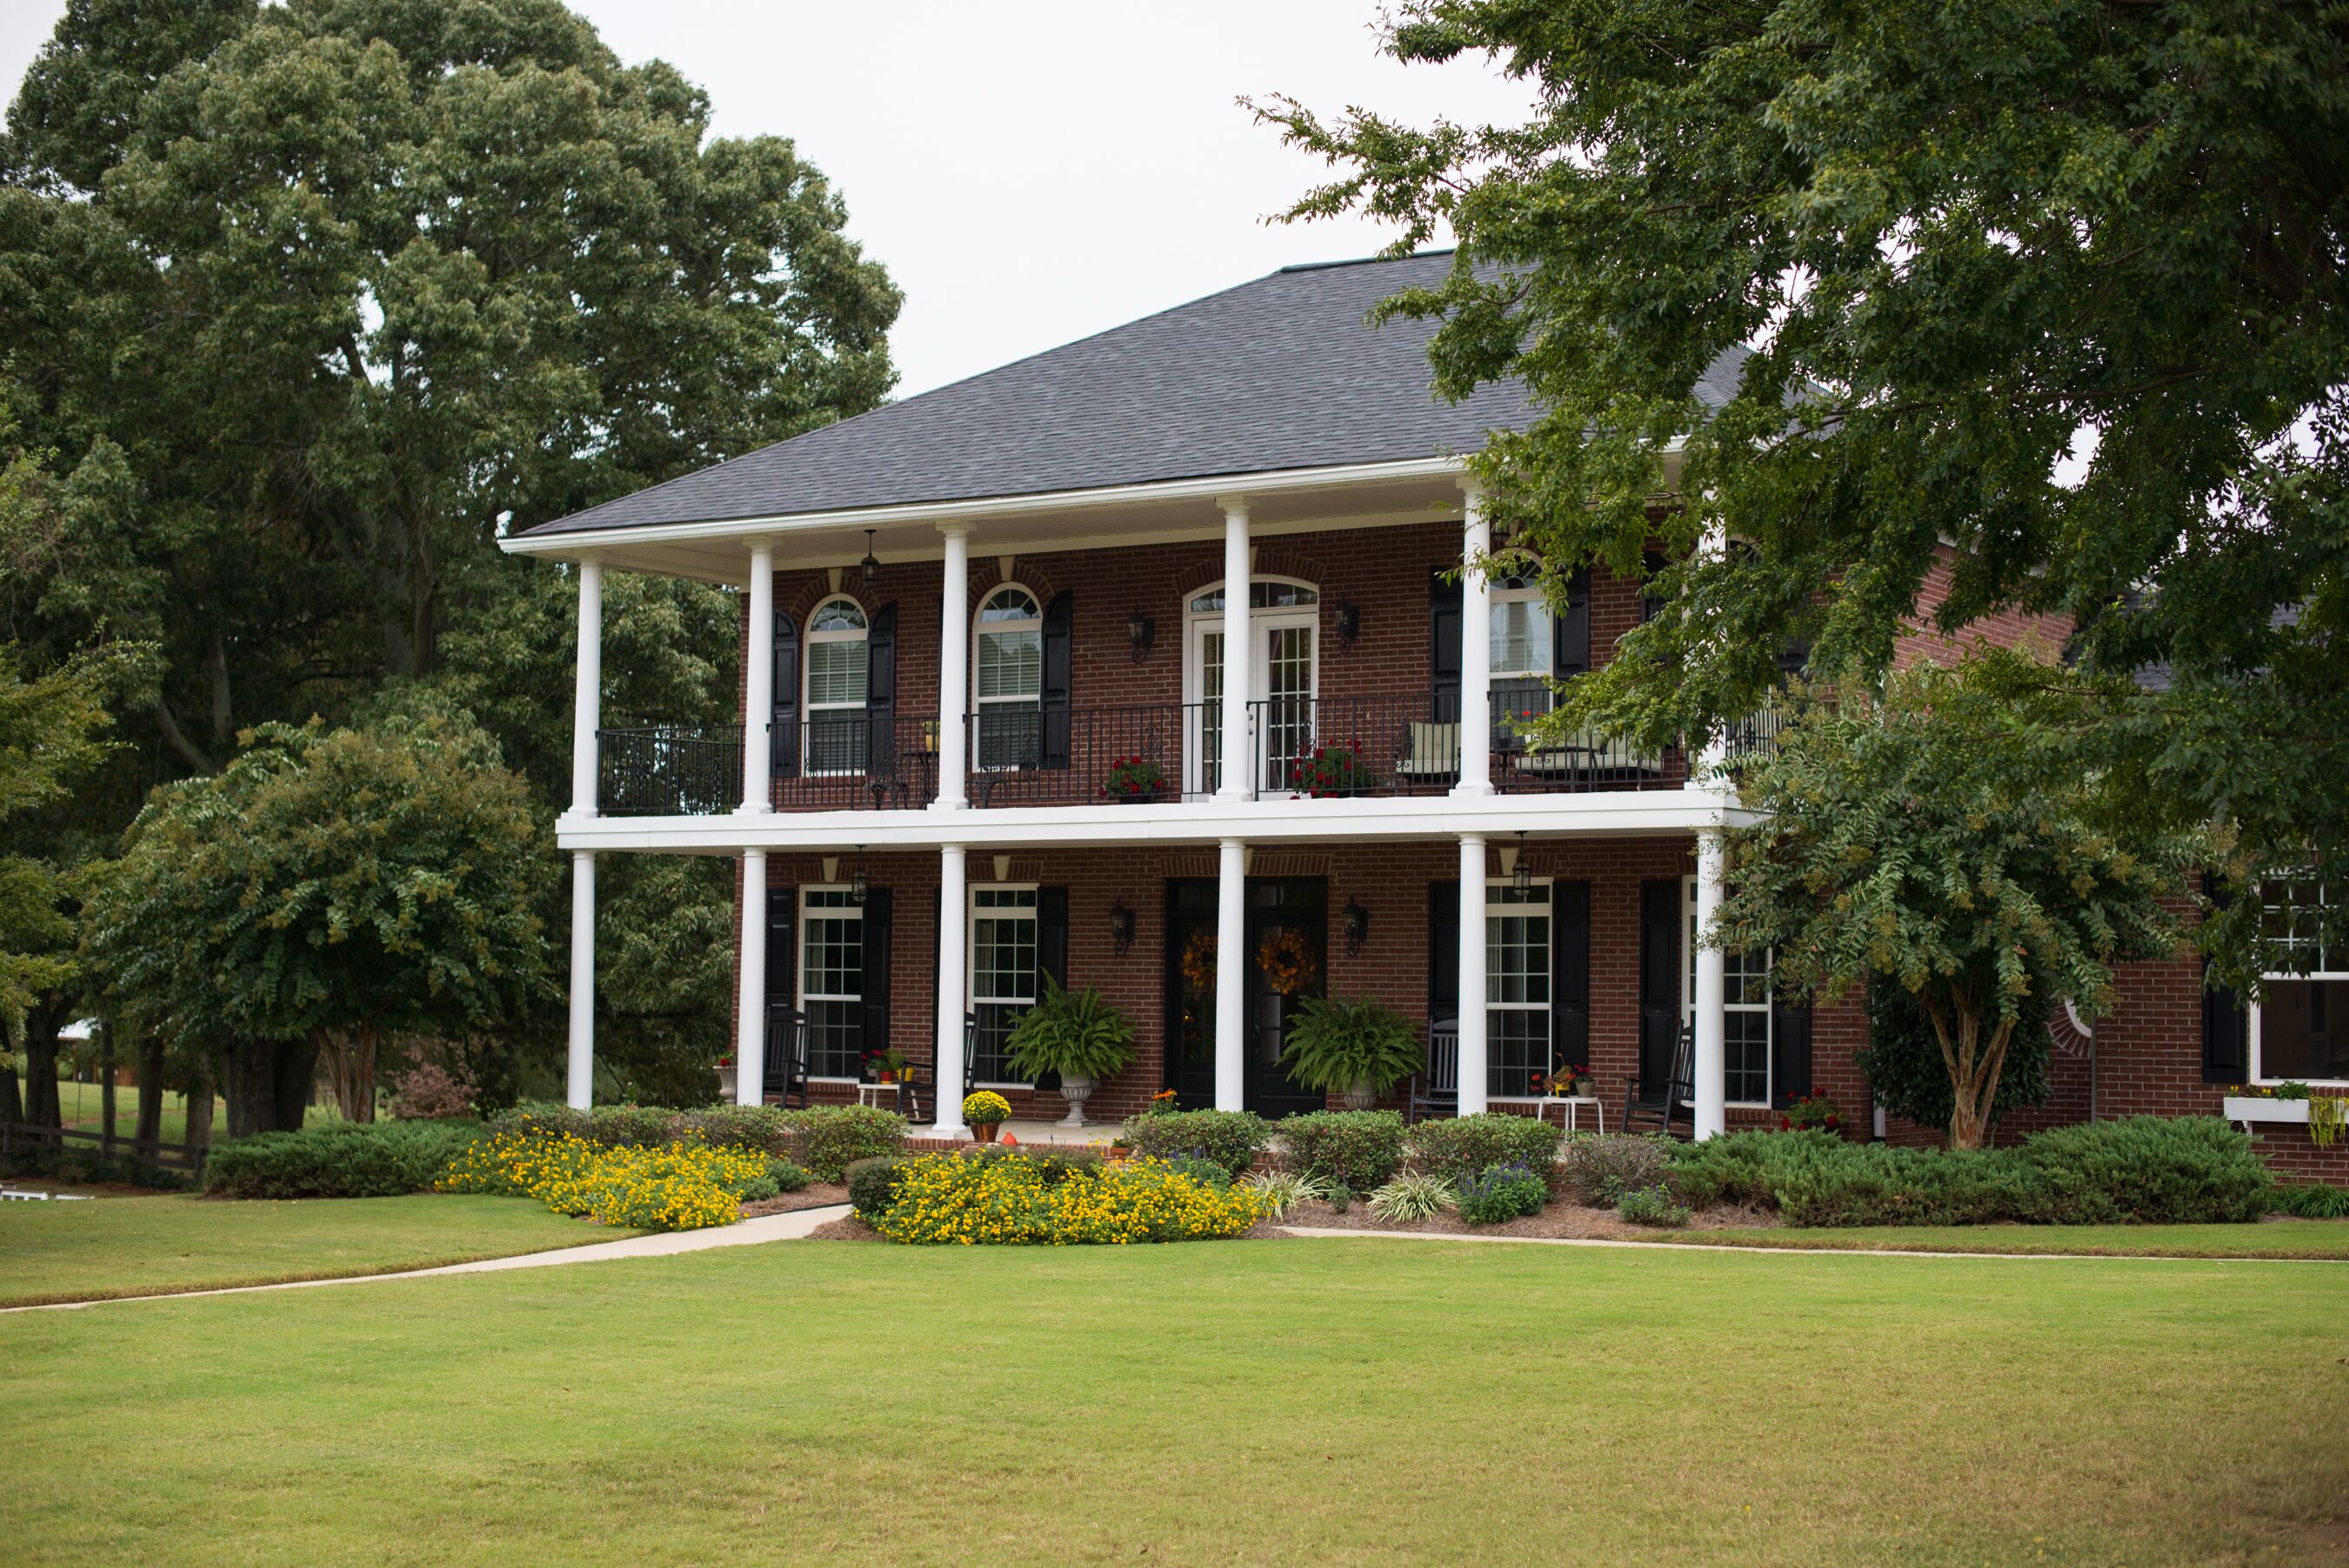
814, 1195
847, 1228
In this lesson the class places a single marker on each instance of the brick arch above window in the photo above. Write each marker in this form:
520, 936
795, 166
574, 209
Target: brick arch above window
1270, 562
1027, 572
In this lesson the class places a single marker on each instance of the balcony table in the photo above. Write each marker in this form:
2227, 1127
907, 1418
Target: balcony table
1569, 1106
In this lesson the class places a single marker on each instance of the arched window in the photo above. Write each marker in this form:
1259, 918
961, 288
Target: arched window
1522, 643
1007, 678
837, 670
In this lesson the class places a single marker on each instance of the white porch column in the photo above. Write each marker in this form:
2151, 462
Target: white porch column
587, 692
1231, 965
954, 691
1239, 654
954, 909
580, 1088
750, 1005
1710, 1063
759, 686
1475, 1055
1476, 665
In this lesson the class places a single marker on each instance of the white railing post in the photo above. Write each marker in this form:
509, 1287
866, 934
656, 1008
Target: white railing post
954, 909
1475, 1054
588, 687
1476, 658
954, 690
750, 1002
759, 686
1709, 1065
1238, 781
1231, 970
580, 1085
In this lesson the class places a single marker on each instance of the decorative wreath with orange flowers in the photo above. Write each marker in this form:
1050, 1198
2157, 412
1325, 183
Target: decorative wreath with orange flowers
1289, 964
1199, 961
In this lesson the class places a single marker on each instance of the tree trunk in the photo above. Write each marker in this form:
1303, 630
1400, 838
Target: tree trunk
250, 1089
41, 1105
296, 1077
1975, 1067
12, 1103
202, 1087
105, 1087
151, 1088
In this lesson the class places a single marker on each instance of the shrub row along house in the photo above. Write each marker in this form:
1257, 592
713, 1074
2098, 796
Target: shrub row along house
999, 726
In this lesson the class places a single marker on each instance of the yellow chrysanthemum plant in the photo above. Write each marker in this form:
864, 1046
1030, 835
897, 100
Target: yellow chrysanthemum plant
986, 1108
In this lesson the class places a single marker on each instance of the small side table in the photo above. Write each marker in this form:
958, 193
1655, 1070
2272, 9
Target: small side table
1569, 1106
879, 1096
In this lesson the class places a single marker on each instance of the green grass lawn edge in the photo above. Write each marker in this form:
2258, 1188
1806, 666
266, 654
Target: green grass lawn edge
135, 1293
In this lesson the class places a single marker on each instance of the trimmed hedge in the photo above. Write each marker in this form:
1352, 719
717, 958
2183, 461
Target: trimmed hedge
1231, 1139
339, 1160
829, 1139
1355, 1149
2145, 1170
1457, 1147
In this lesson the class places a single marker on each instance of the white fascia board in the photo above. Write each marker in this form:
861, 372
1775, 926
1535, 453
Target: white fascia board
1624, 813
589, 541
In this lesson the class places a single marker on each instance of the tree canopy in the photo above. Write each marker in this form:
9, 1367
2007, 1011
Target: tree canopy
2046, 294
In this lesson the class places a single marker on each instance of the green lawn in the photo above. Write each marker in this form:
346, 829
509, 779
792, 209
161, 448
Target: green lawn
1320, 1402
141, 1247
83, 1105
2276, 1239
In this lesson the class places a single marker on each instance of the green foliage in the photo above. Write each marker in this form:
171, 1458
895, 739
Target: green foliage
1456, 1148
1606, 1165
339, 1159
789, 1175
765, 1129
1231, 1139
1072, 1033
873, 1184
2056, 285
1500, 1192
51, 729
1653, 1206
2145, 1169
632, 1126
1357, 1149
1200, 1169
1902, 1059
1278, 1192
1334, 1044
830, 1138
1412, 1196
541, 1119
2313, 1201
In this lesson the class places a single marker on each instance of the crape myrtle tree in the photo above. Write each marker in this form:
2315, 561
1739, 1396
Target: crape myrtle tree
1936, 843
310, 303
326, 891
2046, 295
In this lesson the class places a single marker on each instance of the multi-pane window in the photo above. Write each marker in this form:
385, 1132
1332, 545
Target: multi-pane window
2299, 1029
1008, 680
837, 665
1521, 651
1264, 593
1003, 978
1745, 991
831, 982
1516, 986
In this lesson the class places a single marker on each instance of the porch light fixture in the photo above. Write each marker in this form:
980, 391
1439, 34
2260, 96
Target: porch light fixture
1121, 927
1140, 631
1354, 923
1521, 875
856, 884
1349, 622
869, 569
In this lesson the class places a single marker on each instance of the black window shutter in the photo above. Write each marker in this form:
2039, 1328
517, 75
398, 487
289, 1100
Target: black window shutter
1442, 951
1660, 975
1570, 632
1051, 949
1444, 650
881, 689
1790, 1050
1059, 684
2226, 1025
879, 939
783, 980
785, 738
1569, 991
937, 921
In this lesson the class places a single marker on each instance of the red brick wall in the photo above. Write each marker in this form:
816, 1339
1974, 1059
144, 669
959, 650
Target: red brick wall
2004, 628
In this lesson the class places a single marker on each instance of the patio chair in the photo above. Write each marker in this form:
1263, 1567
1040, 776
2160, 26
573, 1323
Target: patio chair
1436, 1091
1429, 755
786, 1065
1651, 1104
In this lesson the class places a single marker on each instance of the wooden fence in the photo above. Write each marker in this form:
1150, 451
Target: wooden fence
17, 1138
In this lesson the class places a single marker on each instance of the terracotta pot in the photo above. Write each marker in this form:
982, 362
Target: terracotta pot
984, 1131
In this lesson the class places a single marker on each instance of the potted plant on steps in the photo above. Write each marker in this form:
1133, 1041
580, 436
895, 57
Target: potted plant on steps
983, 1112
1359, 1048
1074, 1034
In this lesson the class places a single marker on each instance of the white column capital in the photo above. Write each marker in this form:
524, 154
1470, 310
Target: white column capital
1472, 490
955, 529
1233, 504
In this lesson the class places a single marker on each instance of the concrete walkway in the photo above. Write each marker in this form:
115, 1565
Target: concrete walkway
1785, 1252
791, 1227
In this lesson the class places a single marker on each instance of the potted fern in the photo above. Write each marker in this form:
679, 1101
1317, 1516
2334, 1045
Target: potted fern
1074, 1034
1359, 1048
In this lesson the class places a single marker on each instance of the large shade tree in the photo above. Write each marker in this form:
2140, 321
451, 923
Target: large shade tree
2048, 294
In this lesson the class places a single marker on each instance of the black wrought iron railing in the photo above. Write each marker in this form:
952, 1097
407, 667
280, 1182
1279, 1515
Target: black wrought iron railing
1023, 755
669, 770
854, 761
1388, 744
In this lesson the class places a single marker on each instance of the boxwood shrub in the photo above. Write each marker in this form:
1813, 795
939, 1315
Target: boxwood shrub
339, 1160
766, 1129
2145, 1170
1231, 1139
828, 1139
1457, 1147
1355, 1149
873, 1184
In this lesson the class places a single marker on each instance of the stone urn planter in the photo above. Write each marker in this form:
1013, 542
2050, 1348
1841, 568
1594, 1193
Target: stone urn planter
1076, 1091
729, 1081
1359, 1096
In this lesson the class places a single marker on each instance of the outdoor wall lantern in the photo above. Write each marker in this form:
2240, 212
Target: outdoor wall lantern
1354, 921
1140, 631
856, 884
1349, 622
1121, 926
869, 569
1521, 874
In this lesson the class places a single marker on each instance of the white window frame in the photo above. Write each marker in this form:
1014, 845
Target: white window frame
2254, 1069
1523, 593
1261, 617
861, 637
1549, 960
808, 915
1769, 1013
982, 629
971, 1000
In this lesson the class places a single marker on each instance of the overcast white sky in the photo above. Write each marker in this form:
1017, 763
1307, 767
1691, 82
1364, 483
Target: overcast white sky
1029, 172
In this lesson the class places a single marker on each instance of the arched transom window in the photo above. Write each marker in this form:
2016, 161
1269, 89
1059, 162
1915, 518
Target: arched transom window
837, 668
1006, 678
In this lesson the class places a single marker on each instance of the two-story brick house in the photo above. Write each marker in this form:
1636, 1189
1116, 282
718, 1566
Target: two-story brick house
997, 726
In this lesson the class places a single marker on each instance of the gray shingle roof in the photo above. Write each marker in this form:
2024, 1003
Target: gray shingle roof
1277, 372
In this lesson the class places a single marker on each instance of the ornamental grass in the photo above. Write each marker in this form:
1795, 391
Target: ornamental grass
1011, 1200
675, 1186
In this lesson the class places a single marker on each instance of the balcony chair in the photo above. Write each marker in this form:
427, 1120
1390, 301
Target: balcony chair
1436, 1091
1429, 755
1648, 1105
787, 1055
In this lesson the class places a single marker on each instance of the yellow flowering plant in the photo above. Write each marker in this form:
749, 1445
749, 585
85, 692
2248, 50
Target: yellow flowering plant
985, 1108
672, 1187
1008, 1200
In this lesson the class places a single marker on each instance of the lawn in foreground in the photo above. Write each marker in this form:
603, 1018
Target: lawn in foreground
144, 1247
1305, 1402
